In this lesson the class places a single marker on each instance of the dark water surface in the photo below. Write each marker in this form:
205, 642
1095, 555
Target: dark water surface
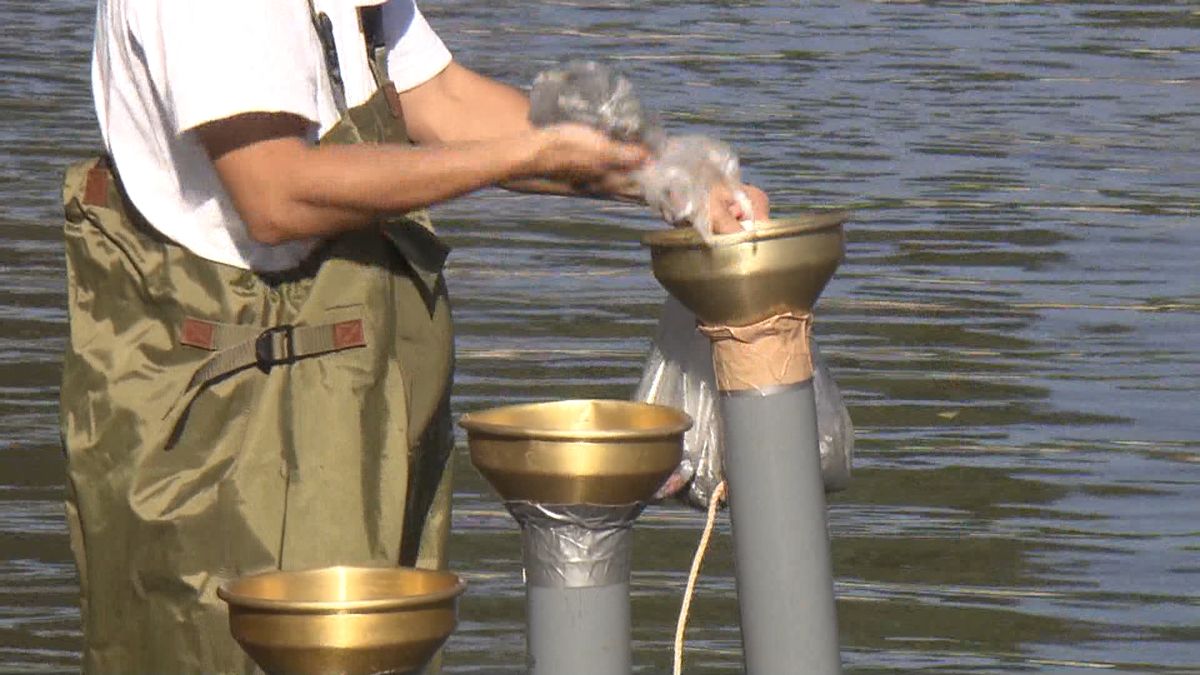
1015, 326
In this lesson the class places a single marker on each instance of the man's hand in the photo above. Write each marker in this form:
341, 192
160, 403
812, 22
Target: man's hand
726, 212
582, 155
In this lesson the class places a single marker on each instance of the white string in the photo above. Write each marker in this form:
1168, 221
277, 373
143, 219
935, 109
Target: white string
714, 503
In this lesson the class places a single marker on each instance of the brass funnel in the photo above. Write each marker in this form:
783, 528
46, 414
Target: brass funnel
343, 619
747, 277
577, 452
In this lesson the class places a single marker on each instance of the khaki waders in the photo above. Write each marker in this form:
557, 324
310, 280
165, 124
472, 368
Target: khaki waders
219, 422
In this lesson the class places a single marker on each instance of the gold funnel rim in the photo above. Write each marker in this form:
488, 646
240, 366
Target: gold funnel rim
491, 422
234, 591
773, 228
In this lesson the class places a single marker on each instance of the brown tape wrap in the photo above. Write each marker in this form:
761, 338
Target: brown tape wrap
770, 353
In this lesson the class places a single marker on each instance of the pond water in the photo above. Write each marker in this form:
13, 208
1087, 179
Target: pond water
1014, 327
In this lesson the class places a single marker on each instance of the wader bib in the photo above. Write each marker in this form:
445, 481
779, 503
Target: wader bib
219, 422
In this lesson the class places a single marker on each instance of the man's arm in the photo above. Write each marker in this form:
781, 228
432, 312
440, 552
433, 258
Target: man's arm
459, 104
285, 189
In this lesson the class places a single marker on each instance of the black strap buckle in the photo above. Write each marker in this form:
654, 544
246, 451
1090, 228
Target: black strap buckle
264, 348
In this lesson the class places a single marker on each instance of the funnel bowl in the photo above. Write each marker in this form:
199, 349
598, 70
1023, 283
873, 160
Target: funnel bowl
782, 266
603, 452
343, 619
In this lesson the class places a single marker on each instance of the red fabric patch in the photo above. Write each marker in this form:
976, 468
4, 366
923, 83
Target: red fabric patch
95, 190
348, 334
197, 333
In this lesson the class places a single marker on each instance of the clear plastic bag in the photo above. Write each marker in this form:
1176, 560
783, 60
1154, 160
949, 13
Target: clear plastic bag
594, 94
835, 430
685, 173
679, 373
686, 170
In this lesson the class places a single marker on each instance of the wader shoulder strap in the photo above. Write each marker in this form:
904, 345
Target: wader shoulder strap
372, 25
371, 20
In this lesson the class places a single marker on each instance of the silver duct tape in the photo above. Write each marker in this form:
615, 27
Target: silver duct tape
576, 545
766, 391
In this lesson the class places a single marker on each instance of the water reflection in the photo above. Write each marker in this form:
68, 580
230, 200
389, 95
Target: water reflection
1013, 328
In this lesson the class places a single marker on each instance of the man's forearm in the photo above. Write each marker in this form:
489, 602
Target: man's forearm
285, 189
618, 188
326, 190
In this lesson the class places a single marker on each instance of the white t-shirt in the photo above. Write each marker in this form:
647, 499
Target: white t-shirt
161, 68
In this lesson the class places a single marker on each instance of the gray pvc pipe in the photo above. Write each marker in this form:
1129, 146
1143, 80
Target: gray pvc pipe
580, 631
780, 536
577, 561
577, 587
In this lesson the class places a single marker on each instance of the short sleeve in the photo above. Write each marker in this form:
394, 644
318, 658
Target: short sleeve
415, 52
228, 57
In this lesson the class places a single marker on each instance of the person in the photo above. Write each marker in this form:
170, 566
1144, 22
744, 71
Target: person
260, 353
